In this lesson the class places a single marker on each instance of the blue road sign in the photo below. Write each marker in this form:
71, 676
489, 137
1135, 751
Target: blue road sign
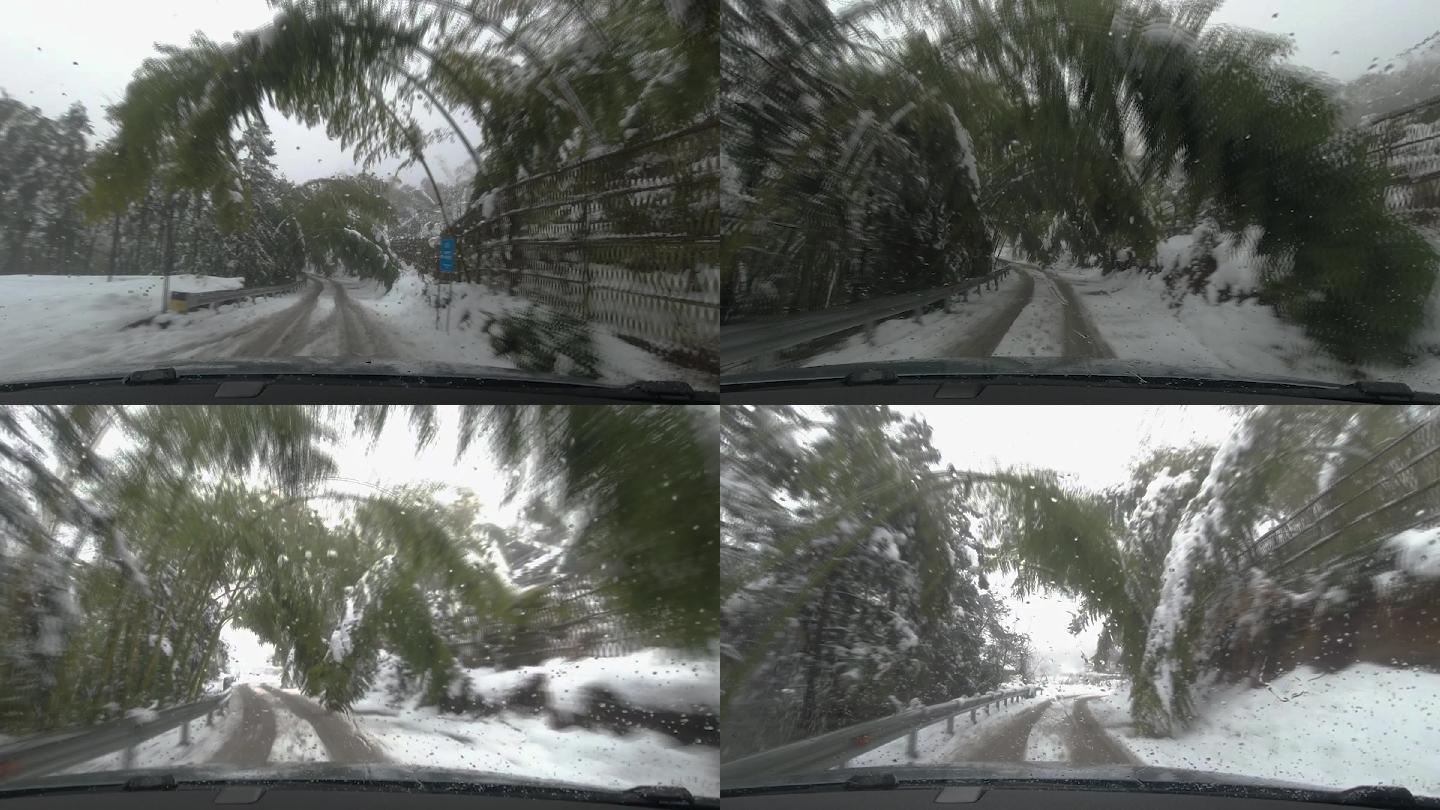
447, 254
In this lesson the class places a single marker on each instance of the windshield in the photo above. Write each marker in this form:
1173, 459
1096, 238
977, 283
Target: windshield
1242, 187
1247, 591
245, 590
525, 185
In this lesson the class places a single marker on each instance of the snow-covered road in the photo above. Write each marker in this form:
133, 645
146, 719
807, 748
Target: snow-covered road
1055, 726
266, 726
1035, 313
52, 324
324, 321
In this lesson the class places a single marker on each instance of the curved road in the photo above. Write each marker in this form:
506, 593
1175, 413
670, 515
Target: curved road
1046, 315
1058, 730
324, 321
250, 746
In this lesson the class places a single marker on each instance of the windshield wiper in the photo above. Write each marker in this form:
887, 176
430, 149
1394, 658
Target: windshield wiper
959, 380
659, 796
1041, 776
367, 777
242, 381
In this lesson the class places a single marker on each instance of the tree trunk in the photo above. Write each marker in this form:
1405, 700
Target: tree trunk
199, 676
809, 705
142, 227
168, 261
114, 246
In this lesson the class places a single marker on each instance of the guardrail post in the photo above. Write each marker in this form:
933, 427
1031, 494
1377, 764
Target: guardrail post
185, 733
912, 747
973, 719
870, 333
987, 708
210, 718
127, 759
950, 724
920, 313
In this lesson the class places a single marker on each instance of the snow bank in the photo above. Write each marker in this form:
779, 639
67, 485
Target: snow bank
529, 747
1363, 725
1417, 551
409, 317
1141, 319
652, 679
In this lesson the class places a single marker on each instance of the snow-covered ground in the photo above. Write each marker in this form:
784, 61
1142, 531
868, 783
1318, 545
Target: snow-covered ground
655, 679
1139, 318
1363, 725
57, 323
529, 747
409, 317
1133, 315
1136, 315
50, 323
936, 335
524, 744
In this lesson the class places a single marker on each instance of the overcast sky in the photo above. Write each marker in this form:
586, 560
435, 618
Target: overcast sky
1094, 447
1362, 31
56, 52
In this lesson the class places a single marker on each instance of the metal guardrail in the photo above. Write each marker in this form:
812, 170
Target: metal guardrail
191, 301
743, 344
37, 756
833, 748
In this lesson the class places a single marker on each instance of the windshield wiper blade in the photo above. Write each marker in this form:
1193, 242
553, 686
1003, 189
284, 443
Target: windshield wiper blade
237, 380
1145, 779
966, 379
163, 781
1387, 796
659, 796
368, 777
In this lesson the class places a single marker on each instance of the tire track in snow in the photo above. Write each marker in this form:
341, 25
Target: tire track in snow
1082, 336
343, 743
1006, 742
984, 343
250, 747
1068, 733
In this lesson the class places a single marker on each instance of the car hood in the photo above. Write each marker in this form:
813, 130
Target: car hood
402, 371
1026, 772
378, 775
